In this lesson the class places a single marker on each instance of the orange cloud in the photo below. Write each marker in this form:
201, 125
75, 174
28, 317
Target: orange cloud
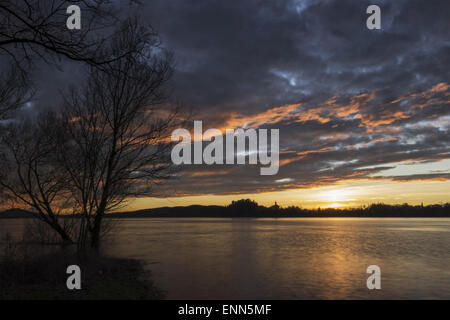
270, 116
210, 173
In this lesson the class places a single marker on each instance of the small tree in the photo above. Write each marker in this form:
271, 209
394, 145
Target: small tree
244, 206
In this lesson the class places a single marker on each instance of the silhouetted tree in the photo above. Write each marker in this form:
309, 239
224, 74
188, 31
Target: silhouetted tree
114, 138
31, 28
37, 28
243, 206
15, 90
31, 177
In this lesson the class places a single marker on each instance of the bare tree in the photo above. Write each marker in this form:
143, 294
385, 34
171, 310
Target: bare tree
15, 90
110, 142
38, 27
115, 136
30, 177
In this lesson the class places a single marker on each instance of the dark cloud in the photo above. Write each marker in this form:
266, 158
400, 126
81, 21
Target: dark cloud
251, 55
365, 97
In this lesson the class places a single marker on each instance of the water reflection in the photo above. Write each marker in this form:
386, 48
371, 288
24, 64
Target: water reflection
291, 258
288, 258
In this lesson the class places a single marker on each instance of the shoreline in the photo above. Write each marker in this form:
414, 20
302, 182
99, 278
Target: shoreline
44, 278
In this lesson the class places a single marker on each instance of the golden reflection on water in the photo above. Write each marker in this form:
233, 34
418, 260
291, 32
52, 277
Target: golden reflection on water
322, 258
291, 258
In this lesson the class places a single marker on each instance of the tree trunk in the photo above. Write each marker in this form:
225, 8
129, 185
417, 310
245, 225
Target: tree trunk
95, 233
64, 236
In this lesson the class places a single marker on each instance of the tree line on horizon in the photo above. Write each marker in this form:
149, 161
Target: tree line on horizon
372, 210
250, 208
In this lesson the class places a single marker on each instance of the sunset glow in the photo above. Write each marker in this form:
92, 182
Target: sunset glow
349, 194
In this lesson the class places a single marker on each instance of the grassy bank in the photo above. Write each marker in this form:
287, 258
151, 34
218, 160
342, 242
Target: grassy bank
44, 277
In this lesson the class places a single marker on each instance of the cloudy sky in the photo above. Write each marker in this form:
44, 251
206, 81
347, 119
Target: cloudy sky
364, 115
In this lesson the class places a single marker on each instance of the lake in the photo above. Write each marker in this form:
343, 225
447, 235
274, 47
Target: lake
298, 258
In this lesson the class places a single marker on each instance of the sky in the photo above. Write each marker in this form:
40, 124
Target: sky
364, 115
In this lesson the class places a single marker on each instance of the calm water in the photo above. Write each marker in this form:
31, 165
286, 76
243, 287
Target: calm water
200, 258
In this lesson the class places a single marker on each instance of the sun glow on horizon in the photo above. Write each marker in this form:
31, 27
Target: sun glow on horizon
337, 198
335, 205
345, 194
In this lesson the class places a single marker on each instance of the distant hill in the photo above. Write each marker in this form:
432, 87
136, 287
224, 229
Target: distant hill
15, 214
189, 211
